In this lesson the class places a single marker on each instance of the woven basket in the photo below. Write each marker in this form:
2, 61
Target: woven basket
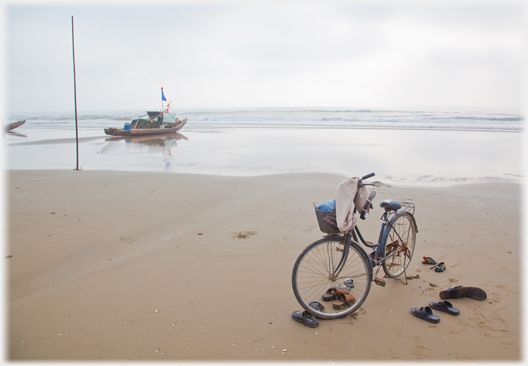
327, 221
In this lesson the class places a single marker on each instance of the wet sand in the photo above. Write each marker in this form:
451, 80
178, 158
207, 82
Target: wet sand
397, 156
151, 266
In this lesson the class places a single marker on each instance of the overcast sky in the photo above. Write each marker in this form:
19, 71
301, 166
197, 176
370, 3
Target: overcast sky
264, 54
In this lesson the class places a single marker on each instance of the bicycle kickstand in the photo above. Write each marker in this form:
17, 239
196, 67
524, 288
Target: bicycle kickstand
405, 274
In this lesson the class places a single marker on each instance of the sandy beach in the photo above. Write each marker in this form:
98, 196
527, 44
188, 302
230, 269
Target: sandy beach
179, 247
108, 265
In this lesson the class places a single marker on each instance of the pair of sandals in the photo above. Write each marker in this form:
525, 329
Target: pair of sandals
304, 317
426, 313
455, 292
438, 267
343, 297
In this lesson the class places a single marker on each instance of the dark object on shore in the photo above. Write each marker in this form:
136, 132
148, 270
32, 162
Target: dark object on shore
458, 292
13, 125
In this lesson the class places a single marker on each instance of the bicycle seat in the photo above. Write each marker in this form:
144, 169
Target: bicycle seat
390, 205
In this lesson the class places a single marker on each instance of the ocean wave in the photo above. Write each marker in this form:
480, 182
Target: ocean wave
318, 117
437, 181
481, 119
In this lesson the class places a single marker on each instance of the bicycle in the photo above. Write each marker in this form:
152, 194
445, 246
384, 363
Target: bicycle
337, 261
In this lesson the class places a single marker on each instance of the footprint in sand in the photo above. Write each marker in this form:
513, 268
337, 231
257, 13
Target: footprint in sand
127, 240
243, 234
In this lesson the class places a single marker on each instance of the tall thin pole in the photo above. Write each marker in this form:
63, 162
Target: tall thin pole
75, 98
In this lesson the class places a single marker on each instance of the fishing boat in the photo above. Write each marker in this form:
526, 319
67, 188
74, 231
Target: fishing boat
157, 123
13, 125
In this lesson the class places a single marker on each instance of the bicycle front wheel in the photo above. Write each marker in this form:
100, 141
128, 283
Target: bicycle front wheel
400, 242
327, 264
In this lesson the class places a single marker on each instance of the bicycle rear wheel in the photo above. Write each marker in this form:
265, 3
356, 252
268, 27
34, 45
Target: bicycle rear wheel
401, 240
325, 264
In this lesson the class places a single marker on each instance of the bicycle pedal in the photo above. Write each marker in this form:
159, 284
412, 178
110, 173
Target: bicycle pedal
379, 282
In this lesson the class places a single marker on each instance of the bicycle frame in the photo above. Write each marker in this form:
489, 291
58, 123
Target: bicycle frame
354, 234
386, 225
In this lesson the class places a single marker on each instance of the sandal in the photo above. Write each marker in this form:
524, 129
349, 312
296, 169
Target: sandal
428, 260
440, 267
425, 313
344, 300
459, 291
316, 306
304, 318
444, 306
332, 293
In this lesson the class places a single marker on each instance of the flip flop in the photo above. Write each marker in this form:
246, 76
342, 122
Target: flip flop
349, 282
332, 293
440, 267
445, 306
425, 313
458, 292
316, 306
344, 300
304, 318
428, 260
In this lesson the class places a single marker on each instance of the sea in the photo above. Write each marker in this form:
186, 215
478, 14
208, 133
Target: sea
494, 120
423, 146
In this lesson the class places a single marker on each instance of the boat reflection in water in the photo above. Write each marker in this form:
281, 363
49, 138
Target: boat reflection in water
155, 144
154, 140
13, 133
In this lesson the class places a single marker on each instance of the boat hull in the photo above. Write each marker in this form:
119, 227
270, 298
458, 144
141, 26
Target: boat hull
14, 125
145, 131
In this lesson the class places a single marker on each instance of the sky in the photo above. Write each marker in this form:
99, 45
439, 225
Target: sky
211, 54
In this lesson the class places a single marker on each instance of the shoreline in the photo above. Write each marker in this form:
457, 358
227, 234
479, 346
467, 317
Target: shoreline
152, 266
414, 156
418, 182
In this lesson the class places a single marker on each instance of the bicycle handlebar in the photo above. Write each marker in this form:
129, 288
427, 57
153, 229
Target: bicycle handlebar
367, 176
361, 184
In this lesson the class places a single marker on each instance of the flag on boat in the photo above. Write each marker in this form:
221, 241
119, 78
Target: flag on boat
163, 95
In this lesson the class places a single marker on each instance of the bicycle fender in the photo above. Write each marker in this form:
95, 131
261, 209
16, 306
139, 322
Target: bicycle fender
393, 218
334, 237
401, 213
413, 221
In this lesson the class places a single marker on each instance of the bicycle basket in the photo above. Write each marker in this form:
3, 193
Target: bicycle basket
327, 221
